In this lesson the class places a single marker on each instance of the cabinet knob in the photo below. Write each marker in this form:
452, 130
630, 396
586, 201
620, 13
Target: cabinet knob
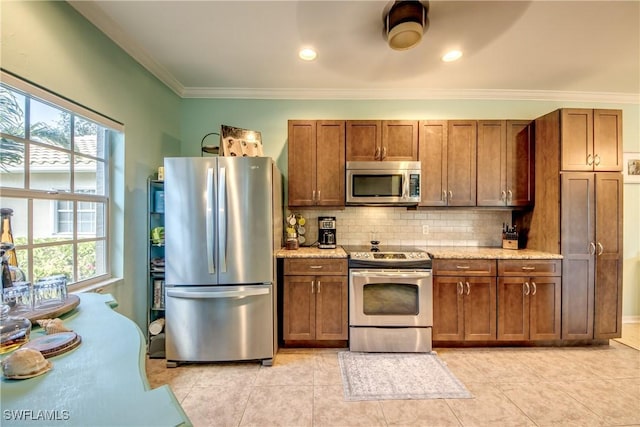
596, 159
509, 195
503, 195
589, 159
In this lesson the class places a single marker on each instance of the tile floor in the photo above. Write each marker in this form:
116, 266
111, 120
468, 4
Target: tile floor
580, 386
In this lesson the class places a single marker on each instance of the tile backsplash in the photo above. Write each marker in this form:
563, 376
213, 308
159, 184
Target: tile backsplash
399, 226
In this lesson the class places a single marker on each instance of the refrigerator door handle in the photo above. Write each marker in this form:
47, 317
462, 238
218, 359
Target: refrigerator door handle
176, 293
222, 206
209, 221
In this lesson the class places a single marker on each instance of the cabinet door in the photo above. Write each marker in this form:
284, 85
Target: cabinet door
577, 247
577, 139
608, 279
448, 309
433, 160
492, 163
480, 309
331, 308
399, 140
607, 140
513, 308
302, 162
520, 164
330, 148
299, 316
461, 163
544, 310
364, 140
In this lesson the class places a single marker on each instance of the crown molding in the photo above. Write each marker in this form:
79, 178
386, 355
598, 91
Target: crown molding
98, 18
410, 94
105, 24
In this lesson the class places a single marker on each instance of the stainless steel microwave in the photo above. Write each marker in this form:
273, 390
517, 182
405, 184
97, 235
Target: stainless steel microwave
383, 183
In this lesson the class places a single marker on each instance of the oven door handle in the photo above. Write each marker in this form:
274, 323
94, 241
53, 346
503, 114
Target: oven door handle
404, 275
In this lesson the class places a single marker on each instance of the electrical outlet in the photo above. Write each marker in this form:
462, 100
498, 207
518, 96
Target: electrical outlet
425, 230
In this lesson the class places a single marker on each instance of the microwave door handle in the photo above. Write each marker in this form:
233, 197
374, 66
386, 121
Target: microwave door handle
405, 187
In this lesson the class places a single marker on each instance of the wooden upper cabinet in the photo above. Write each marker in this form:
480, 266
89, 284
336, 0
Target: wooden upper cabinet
364, 139
302, 162
461, 163
591, 140
316, 163
505, 163
386, 140
448, 162
399, 140
433, 161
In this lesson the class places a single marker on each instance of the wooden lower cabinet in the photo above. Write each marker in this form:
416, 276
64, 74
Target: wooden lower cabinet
315, 300
464, 308
529, 308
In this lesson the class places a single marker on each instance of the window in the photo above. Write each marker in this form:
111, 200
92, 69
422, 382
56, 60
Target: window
54, 175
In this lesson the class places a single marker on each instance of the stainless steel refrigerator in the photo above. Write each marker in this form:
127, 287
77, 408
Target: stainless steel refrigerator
223, 223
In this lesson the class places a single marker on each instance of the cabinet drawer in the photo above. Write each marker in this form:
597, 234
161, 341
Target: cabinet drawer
315, 266
530, 267
464, 267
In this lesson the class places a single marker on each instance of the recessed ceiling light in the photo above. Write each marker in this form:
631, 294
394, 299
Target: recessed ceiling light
307, 54
452, 56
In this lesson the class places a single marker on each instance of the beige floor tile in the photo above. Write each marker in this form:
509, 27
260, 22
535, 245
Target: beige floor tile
489, 407
279, 406
547, 405
180, 392
488, 366
227, 374
434, 412
330, 409
614, 361
288, 369
327, 369
215, 406
182, 376
617, 402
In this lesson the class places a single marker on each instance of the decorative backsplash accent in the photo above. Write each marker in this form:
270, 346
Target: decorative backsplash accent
399, 226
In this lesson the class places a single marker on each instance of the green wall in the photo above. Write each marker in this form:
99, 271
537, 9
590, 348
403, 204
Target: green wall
50, 44
200, 116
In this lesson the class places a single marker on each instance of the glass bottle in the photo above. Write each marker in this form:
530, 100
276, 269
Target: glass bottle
6, 236
14, 330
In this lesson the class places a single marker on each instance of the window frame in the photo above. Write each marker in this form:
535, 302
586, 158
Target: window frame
110, 130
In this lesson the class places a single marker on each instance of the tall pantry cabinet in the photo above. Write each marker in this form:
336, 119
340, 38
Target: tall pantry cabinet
578, 172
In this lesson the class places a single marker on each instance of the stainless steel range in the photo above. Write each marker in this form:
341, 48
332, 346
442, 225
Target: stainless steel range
390, 300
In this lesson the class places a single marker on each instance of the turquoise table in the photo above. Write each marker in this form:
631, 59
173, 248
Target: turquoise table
100, 383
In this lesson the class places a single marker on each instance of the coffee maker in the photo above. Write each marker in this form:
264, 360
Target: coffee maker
327, 232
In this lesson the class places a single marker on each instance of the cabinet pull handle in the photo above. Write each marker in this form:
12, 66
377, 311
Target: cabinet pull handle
596, 159
528, 268
535, 288
313, 197
450, 195
592, 248
444, 196
468, 288
313, 282
503, 195
315, 267
377, 154
509, 195
460, 288
600, 249
462, 267
525, 288
384, 153
590, 160
318, 286
318, 195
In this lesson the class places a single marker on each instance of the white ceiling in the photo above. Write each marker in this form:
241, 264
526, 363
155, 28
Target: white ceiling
582, 50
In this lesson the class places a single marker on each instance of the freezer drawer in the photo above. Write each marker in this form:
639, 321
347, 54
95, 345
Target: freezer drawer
219, 323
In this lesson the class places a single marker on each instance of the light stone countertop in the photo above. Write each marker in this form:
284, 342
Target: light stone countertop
311, 252
464, 252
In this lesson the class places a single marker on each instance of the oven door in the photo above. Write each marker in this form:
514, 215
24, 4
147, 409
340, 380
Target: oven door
398, 298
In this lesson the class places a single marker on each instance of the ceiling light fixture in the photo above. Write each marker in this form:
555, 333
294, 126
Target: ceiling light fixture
452, 55
307, 54
405, 23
